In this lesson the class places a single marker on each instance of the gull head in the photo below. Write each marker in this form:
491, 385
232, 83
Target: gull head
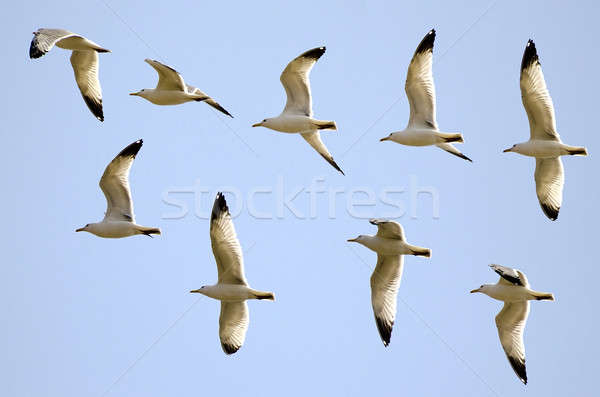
510, 149
198, 291
483, 289
86, 228
356, 240
261, 124
141, 93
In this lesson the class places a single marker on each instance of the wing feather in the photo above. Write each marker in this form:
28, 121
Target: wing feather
388, 229
193, 90
168, 78
295, 80
510, 276
85, 67
549, 181
314, 139
385, 282
511, 324
225, 244
536, 98
233, 324
419, 86
44, 39
115, 185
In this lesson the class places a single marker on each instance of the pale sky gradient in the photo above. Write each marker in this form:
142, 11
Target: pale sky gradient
84, 316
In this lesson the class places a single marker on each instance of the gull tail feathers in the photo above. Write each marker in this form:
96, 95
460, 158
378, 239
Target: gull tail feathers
581, 151
543, 296
451, 137
325, 125
420, 251
264, 295
148, 231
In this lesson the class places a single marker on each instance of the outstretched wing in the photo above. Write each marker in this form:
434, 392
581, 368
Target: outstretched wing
510, 275
314, 140
115, 185
210, 101
233, 324
385, 282
295, 80
168, 78
536, 98
388, 229
511, 324
549, 181
85, 66
44, 39
419, 85
225, 244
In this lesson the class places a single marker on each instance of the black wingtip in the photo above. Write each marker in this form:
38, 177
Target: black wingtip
133, 149
229, 349
427, 43
551, 213
530, 55
519, 368
35, 52
219, 207
385, 330
462, 156
95, 107
315, 53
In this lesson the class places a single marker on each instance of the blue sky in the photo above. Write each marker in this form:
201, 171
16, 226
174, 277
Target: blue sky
90, 316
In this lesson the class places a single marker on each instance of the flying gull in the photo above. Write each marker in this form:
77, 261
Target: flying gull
544, 142
513, 289
390, 245
297, 116
422, 128
231, 288
119, 220
84, 60
172, 90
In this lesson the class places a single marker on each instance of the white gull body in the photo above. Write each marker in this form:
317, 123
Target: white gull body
119, 220
422, 128
232, 288
297, 116
544, 142
172, 90
513, 289
390, 245
84, 60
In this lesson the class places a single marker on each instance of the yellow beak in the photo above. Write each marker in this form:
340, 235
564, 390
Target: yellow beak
256, 125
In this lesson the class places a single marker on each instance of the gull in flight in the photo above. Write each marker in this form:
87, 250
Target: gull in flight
544, 142
390, 245
84, 60
297, 116
231, 288
422, 128
172, 90
513, 289
119, 220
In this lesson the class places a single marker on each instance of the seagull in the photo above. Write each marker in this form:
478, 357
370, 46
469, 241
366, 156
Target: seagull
422, 128
390, 245
513, 289
231, 288
172, 90
544, 142
119, 220
297, 116
84, 60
